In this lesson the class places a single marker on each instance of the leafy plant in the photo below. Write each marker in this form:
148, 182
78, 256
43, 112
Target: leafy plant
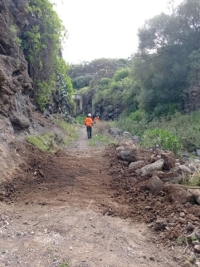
120, 74
41, 44
161, 138
80, 119
44, 95
65, 264
13, 29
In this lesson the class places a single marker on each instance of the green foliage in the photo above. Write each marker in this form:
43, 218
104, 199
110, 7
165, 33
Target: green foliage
41, 44
65, 264
168, 59
14, 30
43, 142
80, 119
161, 138
119, 92
70, 129
81, 81
83, 90
18, 41
185, 127
105, 81
98, 140
136, 116
120, 74
52, 141
44, 96
166, 109
31, 43
161, 82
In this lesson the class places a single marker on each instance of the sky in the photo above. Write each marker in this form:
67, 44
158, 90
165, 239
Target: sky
105, 28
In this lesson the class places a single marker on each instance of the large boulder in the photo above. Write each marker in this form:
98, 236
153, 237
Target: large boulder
177, 194
196, 194
115, 131
136, 165
128, 155
169, 160
150, 168
155, 185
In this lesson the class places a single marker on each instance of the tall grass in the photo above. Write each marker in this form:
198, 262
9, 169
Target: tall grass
186, 127
101, 134
71, 130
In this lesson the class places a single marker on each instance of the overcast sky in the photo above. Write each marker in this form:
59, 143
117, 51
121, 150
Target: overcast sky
105, 28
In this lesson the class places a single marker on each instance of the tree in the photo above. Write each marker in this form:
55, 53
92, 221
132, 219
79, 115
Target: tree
166, 58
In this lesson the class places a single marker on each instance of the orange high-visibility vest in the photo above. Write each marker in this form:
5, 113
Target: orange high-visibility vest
88, 121
96, 119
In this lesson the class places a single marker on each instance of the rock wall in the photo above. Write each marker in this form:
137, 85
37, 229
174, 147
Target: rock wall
15, 83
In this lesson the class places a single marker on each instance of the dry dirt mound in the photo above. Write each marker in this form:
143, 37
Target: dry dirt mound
47, 178
170, 220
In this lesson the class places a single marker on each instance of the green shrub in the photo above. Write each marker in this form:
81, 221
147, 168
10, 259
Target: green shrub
44, 94
137, 115
80, 119
185, 127
121, 74
105, 81
161, 138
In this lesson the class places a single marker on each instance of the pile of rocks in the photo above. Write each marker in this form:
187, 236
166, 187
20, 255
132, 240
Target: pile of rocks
152, 182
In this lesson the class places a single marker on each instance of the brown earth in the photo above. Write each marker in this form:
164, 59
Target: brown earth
80, 208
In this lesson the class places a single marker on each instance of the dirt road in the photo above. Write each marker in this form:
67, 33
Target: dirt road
56, 214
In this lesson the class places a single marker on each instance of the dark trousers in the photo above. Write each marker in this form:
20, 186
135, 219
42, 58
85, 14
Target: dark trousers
89, 131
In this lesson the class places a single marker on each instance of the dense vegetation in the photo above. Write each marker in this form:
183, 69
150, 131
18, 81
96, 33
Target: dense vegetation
166, 64
146, 91
41, 44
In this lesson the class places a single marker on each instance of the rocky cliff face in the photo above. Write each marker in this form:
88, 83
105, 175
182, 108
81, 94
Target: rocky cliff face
15, 83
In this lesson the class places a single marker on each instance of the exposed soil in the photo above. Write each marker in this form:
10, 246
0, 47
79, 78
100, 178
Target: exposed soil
69, 209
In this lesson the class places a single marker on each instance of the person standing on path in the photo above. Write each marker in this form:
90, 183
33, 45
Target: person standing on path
88, 123
96, 118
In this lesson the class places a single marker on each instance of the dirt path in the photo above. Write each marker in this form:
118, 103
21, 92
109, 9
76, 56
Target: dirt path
57, 215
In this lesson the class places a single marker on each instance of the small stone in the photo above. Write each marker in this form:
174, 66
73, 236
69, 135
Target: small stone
190, 227
197, 248
182, 220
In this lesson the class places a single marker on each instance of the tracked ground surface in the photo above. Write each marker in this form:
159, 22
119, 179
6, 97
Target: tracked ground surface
64, 210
